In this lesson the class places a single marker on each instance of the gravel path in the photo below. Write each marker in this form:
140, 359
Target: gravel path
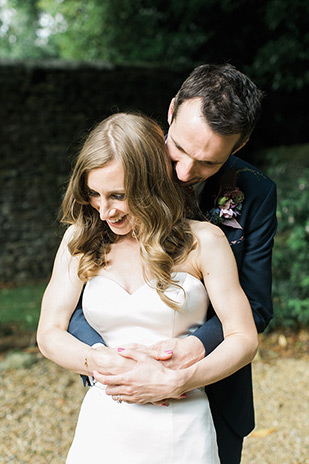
39, 405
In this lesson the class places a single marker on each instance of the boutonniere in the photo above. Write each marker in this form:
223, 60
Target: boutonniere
228, 201
227, 208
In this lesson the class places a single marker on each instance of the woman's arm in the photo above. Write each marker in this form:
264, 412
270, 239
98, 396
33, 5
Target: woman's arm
216, 262
59, 301
259, 227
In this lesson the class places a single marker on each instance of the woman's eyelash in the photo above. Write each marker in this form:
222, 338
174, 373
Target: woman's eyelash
117, 196
91, 193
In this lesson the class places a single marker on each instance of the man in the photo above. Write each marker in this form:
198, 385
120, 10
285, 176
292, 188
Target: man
211, 118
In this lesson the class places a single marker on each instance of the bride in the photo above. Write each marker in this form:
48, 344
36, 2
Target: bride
149, 275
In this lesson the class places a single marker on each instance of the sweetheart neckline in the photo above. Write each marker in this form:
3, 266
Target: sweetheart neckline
145, 284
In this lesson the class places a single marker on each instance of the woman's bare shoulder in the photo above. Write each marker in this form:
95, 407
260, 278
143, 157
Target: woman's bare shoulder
64, 246
69, 233
212, 247
203, 230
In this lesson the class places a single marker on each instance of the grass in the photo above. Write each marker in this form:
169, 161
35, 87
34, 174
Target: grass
20, 306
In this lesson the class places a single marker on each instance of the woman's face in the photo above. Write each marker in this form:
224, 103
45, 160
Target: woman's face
107, 195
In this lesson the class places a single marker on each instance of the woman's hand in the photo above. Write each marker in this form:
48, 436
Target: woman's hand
147, 382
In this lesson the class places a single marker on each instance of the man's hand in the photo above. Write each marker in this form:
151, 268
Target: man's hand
148, 382
108, 361
185, 352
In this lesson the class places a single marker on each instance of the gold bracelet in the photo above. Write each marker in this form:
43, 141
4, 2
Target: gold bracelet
86, 357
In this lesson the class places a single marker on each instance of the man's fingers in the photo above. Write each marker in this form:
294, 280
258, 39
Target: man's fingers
126, 399
115, 390
158, 354
108, 379
137, 356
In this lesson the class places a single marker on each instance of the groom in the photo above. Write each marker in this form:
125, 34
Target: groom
210, 119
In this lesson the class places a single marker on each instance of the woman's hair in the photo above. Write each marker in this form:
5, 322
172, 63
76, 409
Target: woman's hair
154, 200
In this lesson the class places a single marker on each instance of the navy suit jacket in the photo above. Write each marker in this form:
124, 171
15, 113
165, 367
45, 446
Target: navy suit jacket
252, 247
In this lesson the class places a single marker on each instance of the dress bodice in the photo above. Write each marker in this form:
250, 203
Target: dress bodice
142, 317
139, 433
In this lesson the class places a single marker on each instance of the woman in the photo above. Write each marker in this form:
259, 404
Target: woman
149, 276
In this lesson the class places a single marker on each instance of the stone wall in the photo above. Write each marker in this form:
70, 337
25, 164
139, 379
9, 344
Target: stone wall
46, 110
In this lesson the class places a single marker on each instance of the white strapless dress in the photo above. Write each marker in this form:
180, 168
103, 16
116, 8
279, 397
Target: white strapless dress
109, 432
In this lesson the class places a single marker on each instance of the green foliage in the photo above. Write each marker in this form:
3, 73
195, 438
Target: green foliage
75, 28
289, 168
21, 305
268, 40
18, 24
282, 61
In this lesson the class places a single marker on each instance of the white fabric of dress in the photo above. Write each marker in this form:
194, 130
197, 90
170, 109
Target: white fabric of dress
111, 432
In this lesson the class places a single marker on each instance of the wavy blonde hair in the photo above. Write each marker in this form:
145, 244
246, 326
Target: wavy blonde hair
153, 198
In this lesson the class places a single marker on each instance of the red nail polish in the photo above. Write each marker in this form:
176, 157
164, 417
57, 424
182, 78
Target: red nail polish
169, 351
120, 349
183, 396
164, 404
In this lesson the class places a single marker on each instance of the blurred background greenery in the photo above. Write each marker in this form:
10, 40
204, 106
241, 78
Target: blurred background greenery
268, 40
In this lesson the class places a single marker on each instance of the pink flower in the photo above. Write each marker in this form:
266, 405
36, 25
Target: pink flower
226, 209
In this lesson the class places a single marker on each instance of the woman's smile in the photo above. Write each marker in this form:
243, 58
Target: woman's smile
116, 222
107, 195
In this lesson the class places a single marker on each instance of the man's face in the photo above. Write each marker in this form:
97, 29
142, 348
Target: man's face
195, 150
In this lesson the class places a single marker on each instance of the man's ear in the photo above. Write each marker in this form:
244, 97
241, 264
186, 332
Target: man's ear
170, 111
242, 145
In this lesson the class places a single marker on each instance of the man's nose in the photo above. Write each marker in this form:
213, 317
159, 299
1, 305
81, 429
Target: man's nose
184, 170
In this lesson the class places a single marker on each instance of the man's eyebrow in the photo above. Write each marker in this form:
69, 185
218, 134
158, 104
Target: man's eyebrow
178, 146
209, 163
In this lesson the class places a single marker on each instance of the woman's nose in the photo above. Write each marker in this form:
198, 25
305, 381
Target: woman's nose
105, 210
